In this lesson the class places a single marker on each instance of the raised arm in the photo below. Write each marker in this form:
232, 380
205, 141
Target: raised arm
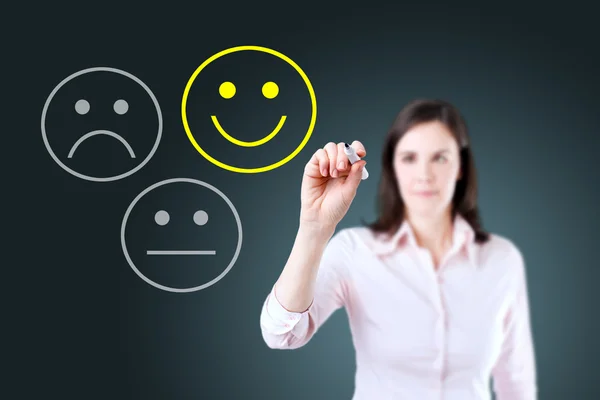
311, 287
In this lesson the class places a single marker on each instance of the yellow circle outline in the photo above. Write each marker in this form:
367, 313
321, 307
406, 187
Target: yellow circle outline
277, 54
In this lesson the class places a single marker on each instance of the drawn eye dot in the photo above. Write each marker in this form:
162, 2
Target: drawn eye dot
200, 217
270, 90
161, 217
121, 107
227, 90
82, 107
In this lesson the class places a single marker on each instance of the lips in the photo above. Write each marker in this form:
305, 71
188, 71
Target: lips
426, 193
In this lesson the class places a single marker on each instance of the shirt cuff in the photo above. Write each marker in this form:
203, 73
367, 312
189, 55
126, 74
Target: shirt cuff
280, 315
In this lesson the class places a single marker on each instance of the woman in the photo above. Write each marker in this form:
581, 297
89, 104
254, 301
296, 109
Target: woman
436, 305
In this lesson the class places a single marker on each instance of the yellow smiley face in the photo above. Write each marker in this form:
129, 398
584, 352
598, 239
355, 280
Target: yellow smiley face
228, 90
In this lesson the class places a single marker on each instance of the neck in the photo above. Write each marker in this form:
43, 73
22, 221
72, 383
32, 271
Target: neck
432, 232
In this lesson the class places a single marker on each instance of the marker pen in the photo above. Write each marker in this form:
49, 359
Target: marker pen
349, 150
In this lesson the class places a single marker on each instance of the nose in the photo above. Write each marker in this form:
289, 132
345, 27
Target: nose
424, 173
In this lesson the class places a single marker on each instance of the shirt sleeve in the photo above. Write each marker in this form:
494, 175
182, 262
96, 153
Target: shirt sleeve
283, 329
514, 374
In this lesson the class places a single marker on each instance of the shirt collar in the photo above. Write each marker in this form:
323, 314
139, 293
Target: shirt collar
463, 239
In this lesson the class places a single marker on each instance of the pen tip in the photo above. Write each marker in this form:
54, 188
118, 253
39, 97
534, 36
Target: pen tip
347, 145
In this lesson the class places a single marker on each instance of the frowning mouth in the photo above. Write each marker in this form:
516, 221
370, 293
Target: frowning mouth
101, 132
248, 144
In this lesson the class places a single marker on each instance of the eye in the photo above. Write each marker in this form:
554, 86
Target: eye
161, 217
121, 106
270, 90
227, 90
407, 159
82, 107
441, 158
200, 217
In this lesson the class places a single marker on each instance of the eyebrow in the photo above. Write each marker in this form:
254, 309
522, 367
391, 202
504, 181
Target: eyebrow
412, 152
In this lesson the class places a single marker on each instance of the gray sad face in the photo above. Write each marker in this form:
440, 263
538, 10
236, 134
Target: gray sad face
120, 106
82, 107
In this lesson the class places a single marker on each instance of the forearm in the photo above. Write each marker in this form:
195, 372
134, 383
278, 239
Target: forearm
295, 286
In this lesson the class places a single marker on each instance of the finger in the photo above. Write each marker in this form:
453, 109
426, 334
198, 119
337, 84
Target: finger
322, 162
313, 167
342, 159
331, 150
355, 176
359, 148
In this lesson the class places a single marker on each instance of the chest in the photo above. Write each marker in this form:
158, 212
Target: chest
403, 307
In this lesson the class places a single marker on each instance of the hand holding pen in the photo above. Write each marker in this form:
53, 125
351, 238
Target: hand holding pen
330, 181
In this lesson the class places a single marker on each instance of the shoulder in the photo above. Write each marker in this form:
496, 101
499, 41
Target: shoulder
501, 252
344, 248
352, 239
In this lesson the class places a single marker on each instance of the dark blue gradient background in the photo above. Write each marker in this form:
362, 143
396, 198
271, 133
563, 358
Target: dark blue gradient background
83, 325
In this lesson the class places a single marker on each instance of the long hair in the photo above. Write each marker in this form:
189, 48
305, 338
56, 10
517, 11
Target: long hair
390, 206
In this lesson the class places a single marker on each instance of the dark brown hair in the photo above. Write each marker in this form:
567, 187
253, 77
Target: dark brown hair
390, 207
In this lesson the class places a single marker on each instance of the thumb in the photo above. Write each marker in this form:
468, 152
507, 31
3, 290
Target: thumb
355, 175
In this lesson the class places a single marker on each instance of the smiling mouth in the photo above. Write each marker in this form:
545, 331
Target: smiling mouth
101, 132
248, 144
181, 252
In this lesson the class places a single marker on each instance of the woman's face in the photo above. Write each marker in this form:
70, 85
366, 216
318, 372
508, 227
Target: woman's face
427, 166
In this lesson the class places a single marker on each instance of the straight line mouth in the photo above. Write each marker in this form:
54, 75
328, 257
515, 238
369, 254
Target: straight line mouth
181, 252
